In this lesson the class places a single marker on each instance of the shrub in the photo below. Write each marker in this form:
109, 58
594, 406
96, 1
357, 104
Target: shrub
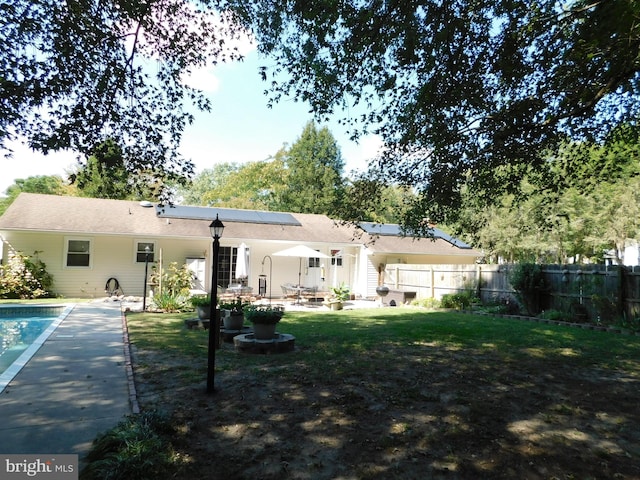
139, 447
606, 308
25, 277
170, 303
528, 280
175, 280
460, 300
526, 277
426, 302
556, 315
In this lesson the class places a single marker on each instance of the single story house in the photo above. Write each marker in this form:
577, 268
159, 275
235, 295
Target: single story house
86, 241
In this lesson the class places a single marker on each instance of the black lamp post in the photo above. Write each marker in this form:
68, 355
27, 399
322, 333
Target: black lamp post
216, 228
147, 251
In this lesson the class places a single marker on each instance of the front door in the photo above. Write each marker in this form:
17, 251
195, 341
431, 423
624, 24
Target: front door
197, 267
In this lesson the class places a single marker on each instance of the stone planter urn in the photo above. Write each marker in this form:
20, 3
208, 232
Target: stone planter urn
334, 304
203, 312
264, 331
264, 319
233, 320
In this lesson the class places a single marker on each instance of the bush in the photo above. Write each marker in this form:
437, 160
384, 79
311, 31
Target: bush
137, 448
526, 277
25, 277
555, 315
426, 303
460, 300
528, 280
170, 303
175, 281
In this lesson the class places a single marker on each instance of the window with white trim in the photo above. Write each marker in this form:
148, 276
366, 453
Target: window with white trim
336, 258
78, 252
141, 251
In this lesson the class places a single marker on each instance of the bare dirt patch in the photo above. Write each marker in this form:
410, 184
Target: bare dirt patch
409, 412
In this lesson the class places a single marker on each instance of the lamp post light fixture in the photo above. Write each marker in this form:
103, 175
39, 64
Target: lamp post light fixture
147, 251
216, 228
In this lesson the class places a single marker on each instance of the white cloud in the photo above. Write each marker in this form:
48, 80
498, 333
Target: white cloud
358, 155
203, 79
27, 163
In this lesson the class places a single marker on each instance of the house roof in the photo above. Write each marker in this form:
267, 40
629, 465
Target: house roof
396, 231
417, 246
79, 215
52, 213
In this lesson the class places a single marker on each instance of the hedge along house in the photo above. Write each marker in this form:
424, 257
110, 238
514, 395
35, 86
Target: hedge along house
86, 241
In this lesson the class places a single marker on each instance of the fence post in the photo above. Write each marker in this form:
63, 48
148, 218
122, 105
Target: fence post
621, 293
433, 286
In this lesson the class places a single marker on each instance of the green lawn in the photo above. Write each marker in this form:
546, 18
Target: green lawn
395, 393
327, 335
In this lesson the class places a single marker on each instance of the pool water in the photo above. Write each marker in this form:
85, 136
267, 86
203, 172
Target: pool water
23, 330
16, 334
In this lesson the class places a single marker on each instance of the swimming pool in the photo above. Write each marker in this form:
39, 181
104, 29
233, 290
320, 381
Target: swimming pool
23, 330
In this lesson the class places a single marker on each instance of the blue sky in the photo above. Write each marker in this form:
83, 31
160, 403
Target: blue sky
239, 128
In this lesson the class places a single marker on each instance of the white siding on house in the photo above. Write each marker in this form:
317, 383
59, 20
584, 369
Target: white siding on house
112, 256
372, 278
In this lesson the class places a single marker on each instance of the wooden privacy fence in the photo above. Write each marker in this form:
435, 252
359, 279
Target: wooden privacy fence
603, 291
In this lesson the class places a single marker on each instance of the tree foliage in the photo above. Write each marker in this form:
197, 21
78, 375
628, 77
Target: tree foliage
370, 197
75, 73
459, 88
106, 175
456, 89
197, 192
24, 277
253, 185
582, 205
45, 184
314, 169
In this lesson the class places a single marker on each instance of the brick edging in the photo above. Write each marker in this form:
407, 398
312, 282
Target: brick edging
133, 395
584, 326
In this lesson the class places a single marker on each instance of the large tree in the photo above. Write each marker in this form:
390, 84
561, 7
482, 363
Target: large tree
46, 184
457, 88
314, 168
253, 185
197, 192
105, 175
77, 72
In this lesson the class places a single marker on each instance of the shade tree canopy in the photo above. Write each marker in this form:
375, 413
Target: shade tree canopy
73, 74
457, 88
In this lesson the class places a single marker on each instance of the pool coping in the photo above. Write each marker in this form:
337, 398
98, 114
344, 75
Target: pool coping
9, 374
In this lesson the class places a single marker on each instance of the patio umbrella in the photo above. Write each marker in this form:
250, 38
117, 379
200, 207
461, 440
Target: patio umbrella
300, 251
241, 262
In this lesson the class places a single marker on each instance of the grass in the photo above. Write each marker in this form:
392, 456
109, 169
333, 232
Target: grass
443, 388
333, 335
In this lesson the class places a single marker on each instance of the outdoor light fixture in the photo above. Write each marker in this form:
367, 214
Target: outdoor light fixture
216, 229
147, 251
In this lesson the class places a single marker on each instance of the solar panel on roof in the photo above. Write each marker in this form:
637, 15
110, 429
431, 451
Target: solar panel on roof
226, 215
382, 228
392, 229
